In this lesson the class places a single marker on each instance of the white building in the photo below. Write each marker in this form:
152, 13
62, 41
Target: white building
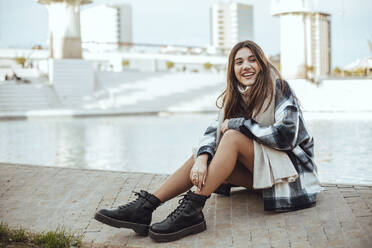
305, 39
64, 39
105, 27
230, 23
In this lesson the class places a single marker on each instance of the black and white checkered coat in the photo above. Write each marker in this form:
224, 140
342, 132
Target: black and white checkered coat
287, 134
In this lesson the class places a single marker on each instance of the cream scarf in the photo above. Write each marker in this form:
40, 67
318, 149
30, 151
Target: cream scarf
270, 166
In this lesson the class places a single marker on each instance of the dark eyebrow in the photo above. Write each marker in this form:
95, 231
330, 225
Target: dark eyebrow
249, 57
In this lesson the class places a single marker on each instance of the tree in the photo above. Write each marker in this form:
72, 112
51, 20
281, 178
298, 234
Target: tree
169, 64
337, 71
359, 72
20, 61
125, 63
208, 66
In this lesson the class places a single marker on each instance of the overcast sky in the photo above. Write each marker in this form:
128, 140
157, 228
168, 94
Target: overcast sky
24, 23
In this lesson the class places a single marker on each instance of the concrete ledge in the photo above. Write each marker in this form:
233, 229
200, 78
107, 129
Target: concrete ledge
70, 113
43, 198
82, 113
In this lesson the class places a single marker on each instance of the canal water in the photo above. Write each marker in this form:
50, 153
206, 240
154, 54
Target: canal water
160, 144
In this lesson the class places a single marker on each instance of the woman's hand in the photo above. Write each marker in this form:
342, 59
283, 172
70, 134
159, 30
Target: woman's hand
198, 173
225, 126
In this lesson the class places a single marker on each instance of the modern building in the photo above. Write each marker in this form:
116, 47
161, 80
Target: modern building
230, 23
305, 39
64, 39
106, 27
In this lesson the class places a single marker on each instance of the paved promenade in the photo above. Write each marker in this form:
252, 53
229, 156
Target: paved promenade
42, 198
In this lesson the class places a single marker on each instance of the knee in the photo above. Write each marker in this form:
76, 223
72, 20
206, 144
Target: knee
237, 138
231, 136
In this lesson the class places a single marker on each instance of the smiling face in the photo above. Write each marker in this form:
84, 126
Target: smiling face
246, 67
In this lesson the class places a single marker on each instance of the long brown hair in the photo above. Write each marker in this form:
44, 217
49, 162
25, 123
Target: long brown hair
263, 88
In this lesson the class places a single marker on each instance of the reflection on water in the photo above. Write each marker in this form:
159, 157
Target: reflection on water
161, 144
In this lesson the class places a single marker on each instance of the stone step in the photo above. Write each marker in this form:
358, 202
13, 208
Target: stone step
17, 97
72, 80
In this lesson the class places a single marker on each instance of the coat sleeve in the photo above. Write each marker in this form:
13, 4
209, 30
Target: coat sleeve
208, 142
282, 135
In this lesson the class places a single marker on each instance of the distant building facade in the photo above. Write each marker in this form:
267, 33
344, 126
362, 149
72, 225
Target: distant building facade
64, 37
230, 23
105, 27
305, 39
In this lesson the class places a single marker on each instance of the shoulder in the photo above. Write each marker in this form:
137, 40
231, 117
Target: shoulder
283, 89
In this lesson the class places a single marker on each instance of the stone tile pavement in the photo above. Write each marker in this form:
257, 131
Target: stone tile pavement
43, 198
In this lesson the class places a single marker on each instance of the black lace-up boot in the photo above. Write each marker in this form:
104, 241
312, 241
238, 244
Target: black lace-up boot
186, 219
224, 189
135, 215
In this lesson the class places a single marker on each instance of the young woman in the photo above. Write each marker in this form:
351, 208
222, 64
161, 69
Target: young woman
259, 141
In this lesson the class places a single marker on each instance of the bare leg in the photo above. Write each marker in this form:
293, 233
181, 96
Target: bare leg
241, 176
177, 183
222, 166
233, 146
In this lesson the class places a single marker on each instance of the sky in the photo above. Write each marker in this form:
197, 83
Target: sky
24, 23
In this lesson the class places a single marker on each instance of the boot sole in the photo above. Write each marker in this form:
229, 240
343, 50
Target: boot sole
141, 229
166, 237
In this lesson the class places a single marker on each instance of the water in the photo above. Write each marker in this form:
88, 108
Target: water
160, 144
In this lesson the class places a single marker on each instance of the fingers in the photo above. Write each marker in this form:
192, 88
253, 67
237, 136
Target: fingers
225, 126
204, 178
222, 127
198, 179
198, 176
201, 179
194, 177
200, 182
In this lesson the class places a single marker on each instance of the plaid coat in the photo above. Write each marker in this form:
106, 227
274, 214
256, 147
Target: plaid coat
288, 134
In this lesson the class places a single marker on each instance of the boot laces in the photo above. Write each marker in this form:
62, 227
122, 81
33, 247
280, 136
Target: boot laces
182, 204
139, 196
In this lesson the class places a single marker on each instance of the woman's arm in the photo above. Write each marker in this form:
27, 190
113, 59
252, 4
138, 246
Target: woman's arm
208, 142
282, 135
